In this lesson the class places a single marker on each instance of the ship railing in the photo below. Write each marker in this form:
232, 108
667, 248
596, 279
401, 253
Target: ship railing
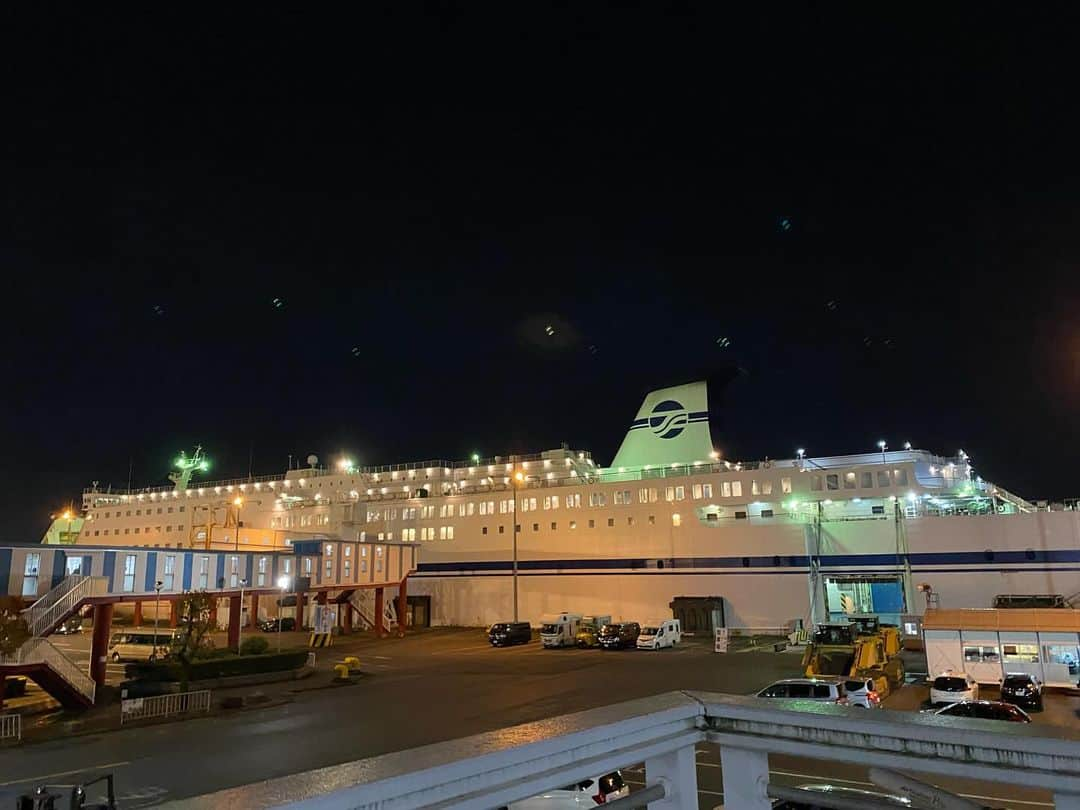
54, 606
42, 651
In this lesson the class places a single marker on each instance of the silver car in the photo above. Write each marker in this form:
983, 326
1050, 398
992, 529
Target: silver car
820, 690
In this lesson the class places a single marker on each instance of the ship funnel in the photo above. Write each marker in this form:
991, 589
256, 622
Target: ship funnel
671, 427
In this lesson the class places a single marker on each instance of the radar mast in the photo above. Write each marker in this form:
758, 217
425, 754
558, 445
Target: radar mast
186, 467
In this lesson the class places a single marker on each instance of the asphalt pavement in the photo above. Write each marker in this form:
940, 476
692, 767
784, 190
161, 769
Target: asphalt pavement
428, 687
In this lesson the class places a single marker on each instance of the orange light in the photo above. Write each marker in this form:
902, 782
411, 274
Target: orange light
67, 514
238, 502
518, 476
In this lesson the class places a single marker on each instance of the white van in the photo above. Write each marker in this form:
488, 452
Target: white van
138, 645
659, 633
559, 629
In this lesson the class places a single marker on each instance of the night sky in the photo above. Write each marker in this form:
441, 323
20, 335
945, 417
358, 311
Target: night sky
280, 232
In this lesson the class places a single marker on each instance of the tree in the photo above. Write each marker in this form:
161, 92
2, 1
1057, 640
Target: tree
13, 628
193, 633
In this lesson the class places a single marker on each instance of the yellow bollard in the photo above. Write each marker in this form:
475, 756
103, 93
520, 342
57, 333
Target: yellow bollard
352, 662
342, 671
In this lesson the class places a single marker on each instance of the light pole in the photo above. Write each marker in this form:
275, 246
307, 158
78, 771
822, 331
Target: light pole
283, 583
157, 610
514, 481
240, 631
882, 446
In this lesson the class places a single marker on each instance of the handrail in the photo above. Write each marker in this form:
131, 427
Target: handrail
509, 764
40, 619
42, 651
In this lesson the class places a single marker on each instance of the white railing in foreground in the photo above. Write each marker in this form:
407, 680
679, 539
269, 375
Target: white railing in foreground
10, 727
499, 767
164, 706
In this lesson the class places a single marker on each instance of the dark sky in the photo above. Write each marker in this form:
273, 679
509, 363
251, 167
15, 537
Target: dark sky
880, 214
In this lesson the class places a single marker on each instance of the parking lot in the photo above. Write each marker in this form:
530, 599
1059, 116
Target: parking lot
436, 685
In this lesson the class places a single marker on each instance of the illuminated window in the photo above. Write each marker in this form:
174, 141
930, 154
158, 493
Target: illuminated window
849, 480
695, 491
680, 493
169, 573
573, 524
669, 494
900, 477
754, 488
725, 489
676, 519
736, 489
706, 490
883, 479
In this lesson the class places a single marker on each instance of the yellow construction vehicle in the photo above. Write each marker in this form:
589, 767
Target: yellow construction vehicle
838, 649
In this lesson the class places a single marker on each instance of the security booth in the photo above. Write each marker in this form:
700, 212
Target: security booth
988, 643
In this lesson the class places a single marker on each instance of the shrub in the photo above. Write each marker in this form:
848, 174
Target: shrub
223, 667
254, 646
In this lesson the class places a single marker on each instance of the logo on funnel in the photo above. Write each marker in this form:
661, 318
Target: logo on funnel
668, 419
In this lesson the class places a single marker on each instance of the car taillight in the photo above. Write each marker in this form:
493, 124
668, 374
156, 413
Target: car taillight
600, 798
873, 697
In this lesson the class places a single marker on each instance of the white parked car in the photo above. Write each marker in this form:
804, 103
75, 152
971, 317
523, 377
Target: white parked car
952, 686
861, 692
656, 635
589, 793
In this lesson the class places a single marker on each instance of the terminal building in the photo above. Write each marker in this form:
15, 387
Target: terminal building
808, 538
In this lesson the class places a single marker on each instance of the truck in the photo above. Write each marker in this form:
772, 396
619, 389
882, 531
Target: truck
559, 629
588, 634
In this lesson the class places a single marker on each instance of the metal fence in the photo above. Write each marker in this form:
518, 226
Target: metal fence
10, 727
165, 706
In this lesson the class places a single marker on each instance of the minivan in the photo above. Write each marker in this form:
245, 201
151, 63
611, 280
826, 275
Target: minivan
503, 634
619, 636
659, 634
138, 645
817, 689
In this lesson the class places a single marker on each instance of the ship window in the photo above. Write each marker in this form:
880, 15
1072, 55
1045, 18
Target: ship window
96, 534
536, 527
900, 477
754, 489
554, 526
815, 483
610, 522
712, 516
129, 573
630, 521
168, 529
680, 493
849, 480
159, 510
502, 529
136, 530
106, 514
725, 489
785, 486
736, 489
483, 530
706, 490
592, 523
676, 519
695, 491
139, 512
883, 478
740, 515
867, 480
832, 481
766, 513
652, 520
877, 510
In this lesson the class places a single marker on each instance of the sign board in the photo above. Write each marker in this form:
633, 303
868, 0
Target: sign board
721, 640
324, 619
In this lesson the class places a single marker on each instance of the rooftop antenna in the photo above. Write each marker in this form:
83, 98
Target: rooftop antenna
131, 471
251, 458
290, 461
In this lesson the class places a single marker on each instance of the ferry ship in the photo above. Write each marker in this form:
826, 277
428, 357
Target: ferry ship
774, 541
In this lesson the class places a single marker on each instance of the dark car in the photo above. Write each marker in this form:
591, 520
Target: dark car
619, 636
503, 634
986, 710
288, 623
1022, 689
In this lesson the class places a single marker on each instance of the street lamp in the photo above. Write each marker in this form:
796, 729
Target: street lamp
283, 583
240, 624
881, 445
157, 610
517, 479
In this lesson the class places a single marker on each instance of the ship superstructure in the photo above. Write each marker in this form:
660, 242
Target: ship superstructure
853, 525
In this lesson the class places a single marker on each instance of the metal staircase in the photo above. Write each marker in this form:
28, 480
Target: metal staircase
364, 602
38, 659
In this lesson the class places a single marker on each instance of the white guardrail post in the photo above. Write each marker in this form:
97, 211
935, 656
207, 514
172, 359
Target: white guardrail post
11, 727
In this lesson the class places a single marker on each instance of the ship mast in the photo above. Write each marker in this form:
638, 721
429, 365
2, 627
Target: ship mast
186, 467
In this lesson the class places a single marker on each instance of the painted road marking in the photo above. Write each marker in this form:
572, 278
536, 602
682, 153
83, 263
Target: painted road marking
46, 776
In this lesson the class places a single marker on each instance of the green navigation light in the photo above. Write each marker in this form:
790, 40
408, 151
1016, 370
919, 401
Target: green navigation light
204, 466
